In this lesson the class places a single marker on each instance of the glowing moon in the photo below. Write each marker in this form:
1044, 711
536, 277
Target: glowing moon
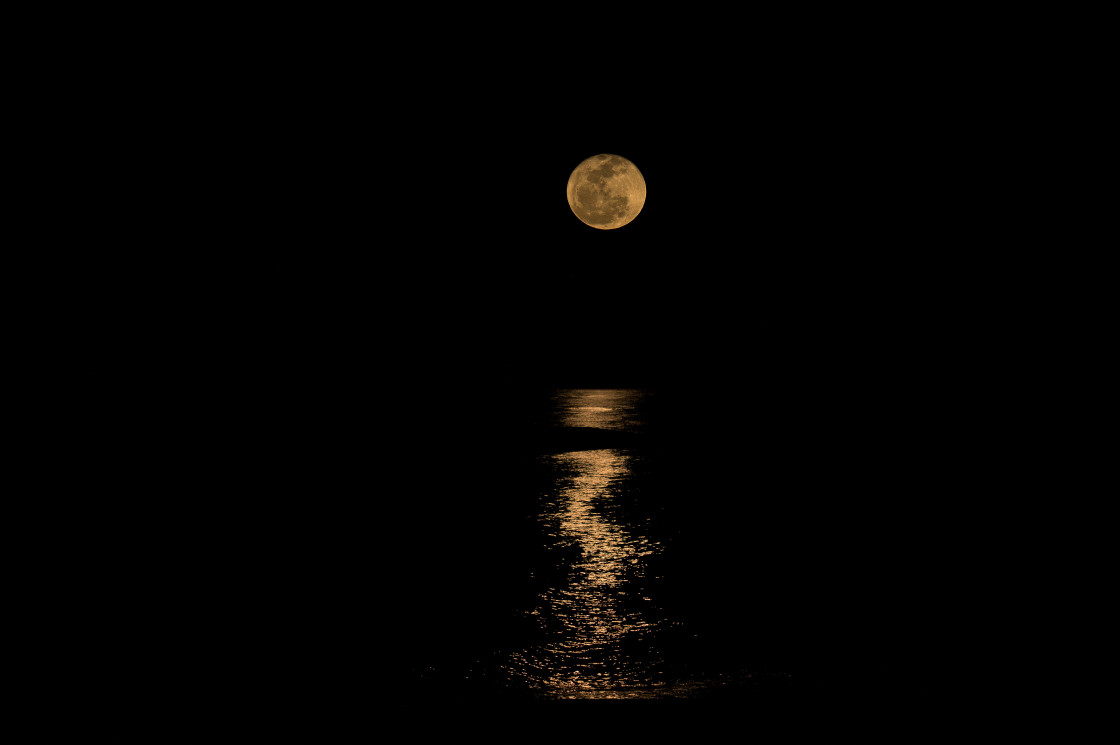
606, 191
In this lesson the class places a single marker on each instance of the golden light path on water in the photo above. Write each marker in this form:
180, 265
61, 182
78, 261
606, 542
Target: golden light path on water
601, 408
599, 630
590, 622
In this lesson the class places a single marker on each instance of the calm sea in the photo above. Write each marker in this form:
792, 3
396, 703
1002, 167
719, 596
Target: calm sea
618, 573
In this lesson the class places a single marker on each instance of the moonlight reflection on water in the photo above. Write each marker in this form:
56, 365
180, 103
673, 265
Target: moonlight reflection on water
597, 628
601, 631
599, 638
601, 408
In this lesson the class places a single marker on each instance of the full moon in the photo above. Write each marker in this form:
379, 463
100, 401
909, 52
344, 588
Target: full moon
606, 191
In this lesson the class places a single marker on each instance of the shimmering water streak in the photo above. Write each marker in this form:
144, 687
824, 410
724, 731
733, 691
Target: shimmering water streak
604, 408
600, 635
599, 631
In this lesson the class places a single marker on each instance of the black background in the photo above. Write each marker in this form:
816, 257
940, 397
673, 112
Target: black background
374, 238
413, 202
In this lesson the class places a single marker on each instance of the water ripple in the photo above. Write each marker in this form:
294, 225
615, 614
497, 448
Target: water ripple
596, 643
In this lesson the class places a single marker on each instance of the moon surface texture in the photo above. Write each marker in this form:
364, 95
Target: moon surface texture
606, 191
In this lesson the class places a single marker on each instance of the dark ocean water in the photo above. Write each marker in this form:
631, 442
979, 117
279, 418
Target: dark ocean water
428, 544
657, 570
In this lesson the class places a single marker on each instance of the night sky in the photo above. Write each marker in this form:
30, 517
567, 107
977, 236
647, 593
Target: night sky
370, 216
430, 225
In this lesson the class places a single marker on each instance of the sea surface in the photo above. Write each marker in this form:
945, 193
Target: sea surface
621, 573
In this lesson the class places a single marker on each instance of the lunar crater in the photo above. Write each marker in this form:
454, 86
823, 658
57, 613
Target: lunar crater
606, 191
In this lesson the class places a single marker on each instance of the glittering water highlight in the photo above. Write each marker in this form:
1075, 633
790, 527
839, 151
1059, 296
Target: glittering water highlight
599, 630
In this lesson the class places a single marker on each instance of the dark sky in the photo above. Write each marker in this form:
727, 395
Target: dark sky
794, 211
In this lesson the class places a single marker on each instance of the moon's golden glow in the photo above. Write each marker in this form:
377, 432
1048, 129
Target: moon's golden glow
606, 191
